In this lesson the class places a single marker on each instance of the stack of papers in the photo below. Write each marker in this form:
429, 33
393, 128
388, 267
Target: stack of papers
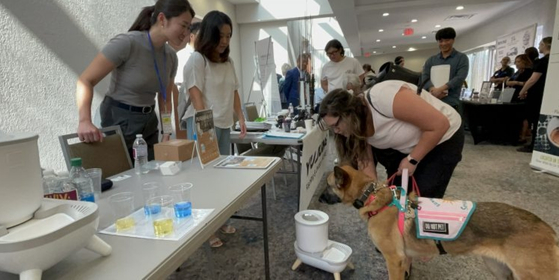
279, 134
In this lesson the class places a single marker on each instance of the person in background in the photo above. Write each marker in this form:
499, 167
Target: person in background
284, 68
292, 78
532, 91
503, 74
517, 81
532, 53
352, 84
369, 74
398, 128
209, 77
183, 97
459, 64
142, 64
399, 60
333, 70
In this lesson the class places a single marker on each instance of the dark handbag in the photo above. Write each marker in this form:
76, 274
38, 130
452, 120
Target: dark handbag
391, 71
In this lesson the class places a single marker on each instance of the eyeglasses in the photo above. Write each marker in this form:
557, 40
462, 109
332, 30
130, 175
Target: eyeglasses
324, 126
332, 52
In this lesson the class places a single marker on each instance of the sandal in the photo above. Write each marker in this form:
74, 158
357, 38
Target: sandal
215, 242
227, 229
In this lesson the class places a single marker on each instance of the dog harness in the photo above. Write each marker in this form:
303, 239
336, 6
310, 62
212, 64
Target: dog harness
442, 219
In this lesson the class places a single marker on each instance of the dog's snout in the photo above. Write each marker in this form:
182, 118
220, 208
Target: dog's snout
329, 197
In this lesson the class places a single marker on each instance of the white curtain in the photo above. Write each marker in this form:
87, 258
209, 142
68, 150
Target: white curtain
482, 66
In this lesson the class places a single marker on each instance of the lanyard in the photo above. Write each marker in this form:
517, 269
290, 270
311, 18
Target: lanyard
161, 84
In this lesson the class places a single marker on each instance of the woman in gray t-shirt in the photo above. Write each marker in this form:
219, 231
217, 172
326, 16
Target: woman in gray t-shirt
142, 64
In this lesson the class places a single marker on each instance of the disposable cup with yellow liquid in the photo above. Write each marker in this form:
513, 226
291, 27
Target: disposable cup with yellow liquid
122, 205
161, 214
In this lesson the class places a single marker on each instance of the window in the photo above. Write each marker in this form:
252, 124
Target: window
482, 63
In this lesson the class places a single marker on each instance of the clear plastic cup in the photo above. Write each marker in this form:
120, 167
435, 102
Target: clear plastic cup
96, 175
149, 191
160, 210
183, 200
122, 205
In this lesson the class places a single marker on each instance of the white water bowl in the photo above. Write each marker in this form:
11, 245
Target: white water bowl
311, 230
333, 259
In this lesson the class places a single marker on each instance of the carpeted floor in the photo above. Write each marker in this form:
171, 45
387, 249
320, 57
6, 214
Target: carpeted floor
487, 172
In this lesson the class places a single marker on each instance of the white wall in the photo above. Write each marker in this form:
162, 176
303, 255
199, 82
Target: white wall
45, 47
541, 12
413, 60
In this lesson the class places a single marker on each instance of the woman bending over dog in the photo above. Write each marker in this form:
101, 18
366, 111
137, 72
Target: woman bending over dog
394, 126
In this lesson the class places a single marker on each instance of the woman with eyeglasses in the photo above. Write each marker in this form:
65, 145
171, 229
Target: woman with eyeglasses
394, 126
333, 71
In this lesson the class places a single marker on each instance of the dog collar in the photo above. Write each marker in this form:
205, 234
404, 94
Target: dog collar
360, 202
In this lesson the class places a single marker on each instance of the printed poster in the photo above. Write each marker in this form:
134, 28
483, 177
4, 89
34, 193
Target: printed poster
546, 146
313, 165
207, 147
515, 43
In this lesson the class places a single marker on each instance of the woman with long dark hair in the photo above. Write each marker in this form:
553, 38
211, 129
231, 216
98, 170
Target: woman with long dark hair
142, 64
211, 81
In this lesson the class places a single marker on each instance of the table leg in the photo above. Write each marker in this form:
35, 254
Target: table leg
299, 167
265, 229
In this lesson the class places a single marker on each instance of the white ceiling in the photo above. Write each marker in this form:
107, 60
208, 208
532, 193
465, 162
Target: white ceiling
361, 20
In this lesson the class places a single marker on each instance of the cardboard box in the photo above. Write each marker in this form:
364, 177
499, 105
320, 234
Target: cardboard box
174, 150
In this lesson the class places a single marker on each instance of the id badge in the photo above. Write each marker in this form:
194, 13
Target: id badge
167, 123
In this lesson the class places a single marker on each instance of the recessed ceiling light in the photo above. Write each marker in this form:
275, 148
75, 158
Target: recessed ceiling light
411, 49
414, 20
393, 47
378, 40
374, 51
385, 14
381, 30
437, 26
423, 37
460, 8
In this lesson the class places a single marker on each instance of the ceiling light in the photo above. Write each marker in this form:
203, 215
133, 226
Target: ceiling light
460, 8
374, 51
385, 14
393, 47
378, 40
381, 30
411, 49
414, 20
437, 26
423, 37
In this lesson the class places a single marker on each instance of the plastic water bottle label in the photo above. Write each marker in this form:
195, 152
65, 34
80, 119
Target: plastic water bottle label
88, 197
140, 152
69, 195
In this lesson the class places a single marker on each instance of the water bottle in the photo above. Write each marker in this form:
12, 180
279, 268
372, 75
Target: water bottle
83, 183
140, 149
290, 109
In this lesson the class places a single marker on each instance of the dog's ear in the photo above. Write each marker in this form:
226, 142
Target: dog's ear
342, 178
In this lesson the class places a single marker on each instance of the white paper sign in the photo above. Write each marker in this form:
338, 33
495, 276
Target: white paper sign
313, 165
514, 43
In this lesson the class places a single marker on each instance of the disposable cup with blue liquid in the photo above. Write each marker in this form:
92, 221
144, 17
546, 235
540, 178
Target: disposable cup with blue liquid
183, 202
149, 191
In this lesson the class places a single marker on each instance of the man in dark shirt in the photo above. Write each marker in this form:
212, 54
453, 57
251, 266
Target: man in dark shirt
533, 91
459, 64
502, 74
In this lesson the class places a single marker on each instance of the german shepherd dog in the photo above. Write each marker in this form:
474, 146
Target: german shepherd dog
514, 243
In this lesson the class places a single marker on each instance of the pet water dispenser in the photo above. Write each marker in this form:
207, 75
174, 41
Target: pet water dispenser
35, 232
313, 247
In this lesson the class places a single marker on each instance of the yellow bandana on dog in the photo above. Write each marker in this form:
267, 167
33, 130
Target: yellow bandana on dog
441, 219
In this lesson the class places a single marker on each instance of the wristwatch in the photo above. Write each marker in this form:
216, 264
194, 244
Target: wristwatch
412, 160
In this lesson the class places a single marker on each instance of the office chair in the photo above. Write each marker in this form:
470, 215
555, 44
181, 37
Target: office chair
111, 155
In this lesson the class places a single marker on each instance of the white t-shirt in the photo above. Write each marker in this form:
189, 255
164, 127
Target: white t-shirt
396, 134
217, 82
334, 71
183, 56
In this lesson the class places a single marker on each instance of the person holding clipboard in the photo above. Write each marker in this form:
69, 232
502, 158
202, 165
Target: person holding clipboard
142, 64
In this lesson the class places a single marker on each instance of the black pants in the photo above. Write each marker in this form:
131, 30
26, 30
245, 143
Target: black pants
131, 123
434, 171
